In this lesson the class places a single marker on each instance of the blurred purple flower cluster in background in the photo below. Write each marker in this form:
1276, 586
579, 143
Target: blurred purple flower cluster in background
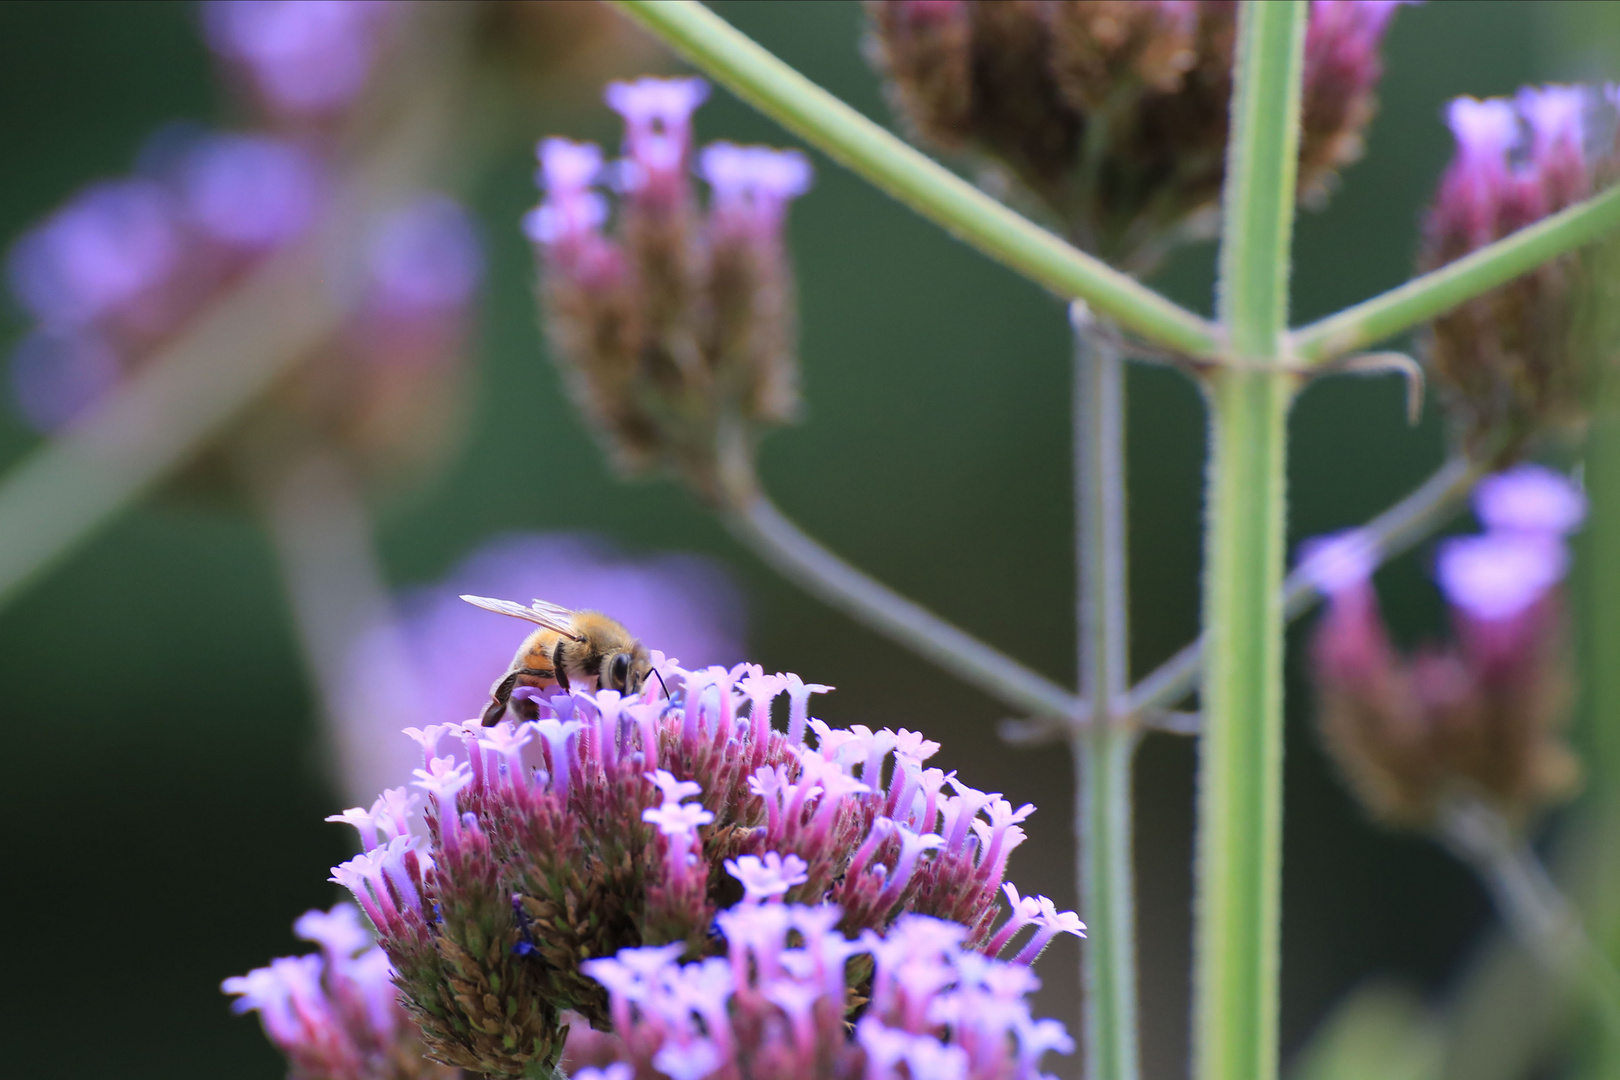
125, 266
303, 61
1480, 718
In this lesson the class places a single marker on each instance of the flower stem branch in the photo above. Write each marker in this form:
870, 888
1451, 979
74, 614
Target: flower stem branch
755, 521
915, 179
1239, 846
1533, 907
1438, 291
1104, 747
321, 531
1395, 531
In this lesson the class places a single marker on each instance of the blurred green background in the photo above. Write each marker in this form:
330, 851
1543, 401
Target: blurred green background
162, 790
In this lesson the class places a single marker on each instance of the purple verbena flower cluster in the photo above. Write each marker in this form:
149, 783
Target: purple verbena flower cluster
613, 823
1523, 357
1480, 717
334, 1013
1113, 113
676, 334
774, 1006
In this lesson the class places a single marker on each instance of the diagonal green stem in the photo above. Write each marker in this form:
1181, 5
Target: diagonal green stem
757, 522
1104, 748
1438, 291
929, 188
1238, 885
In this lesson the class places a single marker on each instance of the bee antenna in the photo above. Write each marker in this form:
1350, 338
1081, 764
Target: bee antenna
660, 679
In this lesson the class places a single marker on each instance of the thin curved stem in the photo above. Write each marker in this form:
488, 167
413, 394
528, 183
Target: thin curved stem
776, 89
1533, 907
1404, 525
1104, 747
757, 523
1397, 530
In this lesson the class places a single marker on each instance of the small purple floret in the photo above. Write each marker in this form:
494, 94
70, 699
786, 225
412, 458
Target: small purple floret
1530, 499
1499, 575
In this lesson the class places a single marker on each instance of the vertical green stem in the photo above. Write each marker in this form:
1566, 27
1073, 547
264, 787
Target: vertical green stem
1240, 772
1103, 750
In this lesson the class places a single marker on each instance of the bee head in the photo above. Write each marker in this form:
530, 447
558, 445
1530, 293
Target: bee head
627, 671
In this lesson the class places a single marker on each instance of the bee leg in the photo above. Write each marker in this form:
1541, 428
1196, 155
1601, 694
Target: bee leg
557, 668
498, 698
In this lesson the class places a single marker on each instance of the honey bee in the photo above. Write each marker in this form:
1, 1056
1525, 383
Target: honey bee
571, 647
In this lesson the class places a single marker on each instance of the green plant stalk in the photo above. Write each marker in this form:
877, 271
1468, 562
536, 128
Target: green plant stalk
1105, 746
932, 190
1239, 861
1438, 291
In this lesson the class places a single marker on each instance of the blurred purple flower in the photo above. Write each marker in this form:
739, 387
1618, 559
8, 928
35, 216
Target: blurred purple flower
1499, 575
424, 258
55, 375
1480, 716
304, 58
112, 246
252, 192
1518, 359
122, 267
684, 605
1530, 499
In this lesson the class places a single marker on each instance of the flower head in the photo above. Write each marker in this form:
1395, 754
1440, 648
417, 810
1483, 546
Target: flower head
611, 822
1479, 717
1114, 112
1521, 358
677, 325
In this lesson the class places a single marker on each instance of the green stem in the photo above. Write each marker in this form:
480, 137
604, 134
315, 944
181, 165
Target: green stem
1438, 291
915, 179
1104, 748
757, 523
1239, 865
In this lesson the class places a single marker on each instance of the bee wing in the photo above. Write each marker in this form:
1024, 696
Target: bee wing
550, 616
